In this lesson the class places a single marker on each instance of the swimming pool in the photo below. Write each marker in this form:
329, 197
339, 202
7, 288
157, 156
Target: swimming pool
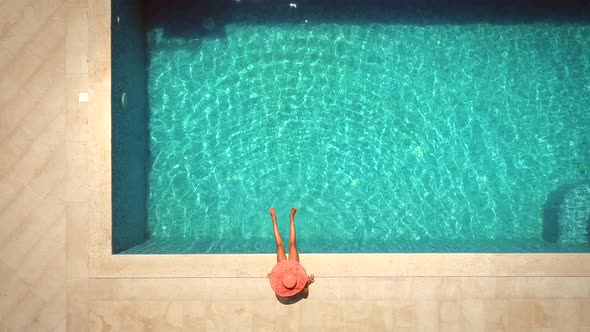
389, 132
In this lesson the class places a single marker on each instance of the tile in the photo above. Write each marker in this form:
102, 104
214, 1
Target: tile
541, 265
478, 287
379, 315
61, 327
101, 316
29, 231
240, 289
83, 97
13, 289
99, 234
16, 43
76, 112
33, 194
4, 27
450, 312
185, 289
114, 316
160, 316
337, 288
50, 180
14, 76
496, 315
77, 304
27, 21
41, 131
288, 317
356, 315
53, 313
50, 73
47, 8
473, 315
22, 316
15, 210
76, 40
40, 121
379, 288
99, 170
404, 314
48, 41
130, 289
584, 310
6, 273
99, 48
14, 110
386, 315
427, 315
77, 3
5, 55
25, 308
450, 315
77, 240
125, 317
99, 7
263, 315
229, 315
9, 155
45, 252
51, 282
194, 315
327, 315
12, 10
570, 315
60, 16
447, 288
99, 130
389, 265
520, 315
543, 287
401, 289
545, 314
442, 288
77, 171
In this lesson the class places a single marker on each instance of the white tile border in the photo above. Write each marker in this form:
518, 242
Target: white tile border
82, 97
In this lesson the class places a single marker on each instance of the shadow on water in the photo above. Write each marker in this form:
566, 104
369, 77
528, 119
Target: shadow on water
199, 18
552, 211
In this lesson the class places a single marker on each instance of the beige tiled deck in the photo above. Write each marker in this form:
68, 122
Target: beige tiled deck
56, 272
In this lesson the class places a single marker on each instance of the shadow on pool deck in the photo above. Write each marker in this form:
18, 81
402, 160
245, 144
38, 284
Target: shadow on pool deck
199, 18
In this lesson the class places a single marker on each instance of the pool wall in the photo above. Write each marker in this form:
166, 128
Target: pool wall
129, 125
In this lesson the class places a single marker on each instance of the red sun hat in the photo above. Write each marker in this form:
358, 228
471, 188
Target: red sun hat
287, 278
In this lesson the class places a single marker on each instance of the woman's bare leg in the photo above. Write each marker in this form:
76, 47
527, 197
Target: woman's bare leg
280, 247
293, 253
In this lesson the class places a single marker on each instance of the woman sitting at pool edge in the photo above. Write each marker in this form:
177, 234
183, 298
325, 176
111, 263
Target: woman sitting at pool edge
288, 278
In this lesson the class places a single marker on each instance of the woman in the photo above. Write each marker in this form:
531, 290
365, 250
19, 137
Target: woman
288, 278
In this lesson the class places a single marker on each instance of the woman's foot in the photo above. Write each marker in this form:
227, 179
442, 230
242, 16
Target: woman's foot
272, 213
293, 211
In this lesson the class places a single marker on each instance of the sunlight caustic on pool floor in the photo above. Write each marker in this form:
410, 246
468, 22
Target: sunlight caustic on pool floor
382, 135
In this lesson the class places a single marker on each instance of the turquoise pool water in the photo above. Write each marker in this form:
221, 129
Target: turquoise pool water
386, 137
